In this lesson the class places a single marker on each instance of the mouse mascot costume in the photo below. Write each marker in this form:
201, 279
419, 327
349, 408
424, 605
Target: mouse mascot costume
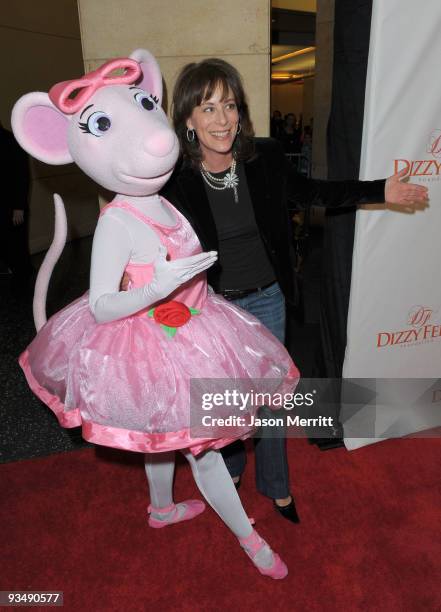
119, 363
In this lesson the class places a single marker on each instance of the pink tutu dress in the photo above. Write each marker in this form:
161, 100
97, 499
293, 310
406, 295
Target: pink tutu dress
127, 382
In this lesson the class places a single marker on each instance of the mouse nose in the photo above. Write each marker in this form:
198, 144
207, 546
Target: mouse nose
160, 143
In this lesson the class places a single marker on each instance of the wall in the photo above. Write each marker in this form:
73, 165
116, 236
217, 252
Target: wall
287, 98
294, 98
308, 101
178, 33
41, 41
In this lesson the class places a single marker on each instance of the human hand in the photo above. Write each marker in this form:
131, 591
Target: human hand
169, 275
397, 192
17, 216
125, 282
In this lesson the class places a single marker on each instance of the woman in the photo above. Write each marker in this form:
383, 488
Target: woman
235, 191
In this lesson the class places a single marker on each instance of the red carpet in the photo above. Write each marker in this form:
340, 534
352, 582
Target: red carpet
369, 537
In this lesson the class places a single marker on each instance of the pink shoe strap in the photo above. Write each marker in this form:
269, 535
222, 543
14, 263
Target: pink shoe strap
165, 510
253, 543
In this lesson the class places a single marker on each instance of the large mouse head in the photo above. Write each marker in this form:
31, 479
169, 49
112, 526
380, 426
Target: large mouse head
111, 125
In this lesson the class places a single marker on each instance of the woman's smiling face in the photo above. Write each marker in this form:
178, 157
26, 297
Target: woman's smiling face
215, 122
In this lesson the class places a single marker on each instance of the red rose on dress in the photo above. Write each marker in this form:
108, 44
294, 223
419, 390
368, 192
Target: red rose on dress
172, 314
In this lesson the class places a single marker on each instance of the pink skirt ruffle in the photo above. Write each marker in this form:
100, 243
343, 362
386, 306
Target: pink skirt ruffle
128, 384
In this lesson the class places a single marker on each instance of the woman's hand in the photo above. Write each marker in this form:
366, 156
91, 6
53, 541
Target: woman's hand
17, 217
125, 282
397, 192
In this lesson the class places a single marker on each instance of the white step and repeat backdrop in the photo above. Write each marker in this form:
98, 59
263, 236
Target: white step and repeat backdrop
394, 323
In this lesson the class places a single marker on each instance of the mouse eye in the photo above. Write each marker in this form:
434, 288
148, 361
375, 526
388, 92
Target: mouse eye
97, 124
147, 101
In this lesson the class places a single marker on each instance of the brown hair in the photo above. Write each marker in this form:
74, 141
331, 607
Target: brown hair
196, 83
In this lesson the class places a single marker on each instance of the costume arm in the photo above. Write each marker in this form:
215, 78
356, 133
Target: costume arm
112, 245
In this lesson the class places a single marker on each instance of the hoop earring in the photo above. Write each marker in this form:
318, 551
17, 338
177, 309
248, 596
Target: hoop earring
190, 135
239, 128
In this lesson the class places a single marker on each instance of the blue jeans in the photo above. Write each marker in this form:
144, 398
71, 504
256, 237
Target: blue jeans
268, 306
272, 478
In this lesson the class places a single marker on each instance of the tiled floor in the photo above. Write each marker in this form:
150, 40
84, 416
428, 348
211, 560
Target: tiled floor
28, 427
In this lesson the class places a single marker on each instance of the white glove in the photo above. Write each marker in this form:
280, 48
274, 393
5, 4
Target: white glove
169, 275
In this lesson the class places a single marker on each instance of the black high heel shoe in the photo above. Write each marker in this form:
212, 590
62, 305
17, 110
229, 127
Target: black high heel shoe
288, 512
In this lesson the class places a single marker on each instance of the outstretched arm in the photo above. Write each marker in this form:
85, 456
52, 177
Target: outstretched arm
303, 192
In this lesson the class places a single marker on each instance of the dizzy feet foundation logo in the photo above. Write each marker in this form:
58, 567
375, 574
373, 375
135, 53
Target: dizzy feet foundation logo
420, 329
419, 315
424, 167
434, 145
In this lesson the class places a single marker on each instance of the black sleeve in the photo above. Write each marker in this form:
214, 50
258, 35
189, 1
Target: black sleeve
18, 173
303, 192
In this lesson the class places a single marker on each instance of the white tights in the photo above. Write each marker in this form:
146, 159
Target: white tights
212, 479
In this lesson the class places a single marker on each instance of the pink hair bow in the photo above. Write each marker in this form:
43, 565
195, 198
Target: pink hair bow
87, 85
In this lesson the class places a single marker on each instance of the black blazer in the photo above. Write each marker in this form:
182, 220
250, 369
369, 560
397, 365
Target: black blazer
14, 163
275, 188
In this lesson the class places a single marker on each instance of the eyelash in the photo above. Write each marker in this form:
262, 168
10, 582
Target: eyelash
141, 95
84, 127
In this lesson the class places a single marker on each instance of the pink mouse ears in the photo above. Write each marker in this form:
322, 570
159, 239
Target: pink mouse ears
87, 85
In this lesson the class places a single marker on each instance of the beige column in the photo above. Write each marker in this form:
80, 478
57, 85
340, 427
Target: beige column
40, 45
181, 32
322, 84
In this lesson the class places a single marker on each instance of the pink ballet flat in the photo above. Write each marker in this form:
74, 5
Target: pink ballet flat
252, 544
193, 507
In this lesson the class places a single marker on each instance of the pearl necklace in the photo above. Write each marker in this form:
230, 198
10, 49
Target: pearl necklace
229, 181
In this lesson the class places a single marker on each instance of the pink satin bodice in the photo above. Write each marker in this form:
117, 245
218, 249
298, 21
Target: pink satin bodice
180, 241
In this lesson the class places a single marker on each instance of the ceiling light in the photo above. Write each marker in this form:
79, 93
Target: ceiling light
293, 54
